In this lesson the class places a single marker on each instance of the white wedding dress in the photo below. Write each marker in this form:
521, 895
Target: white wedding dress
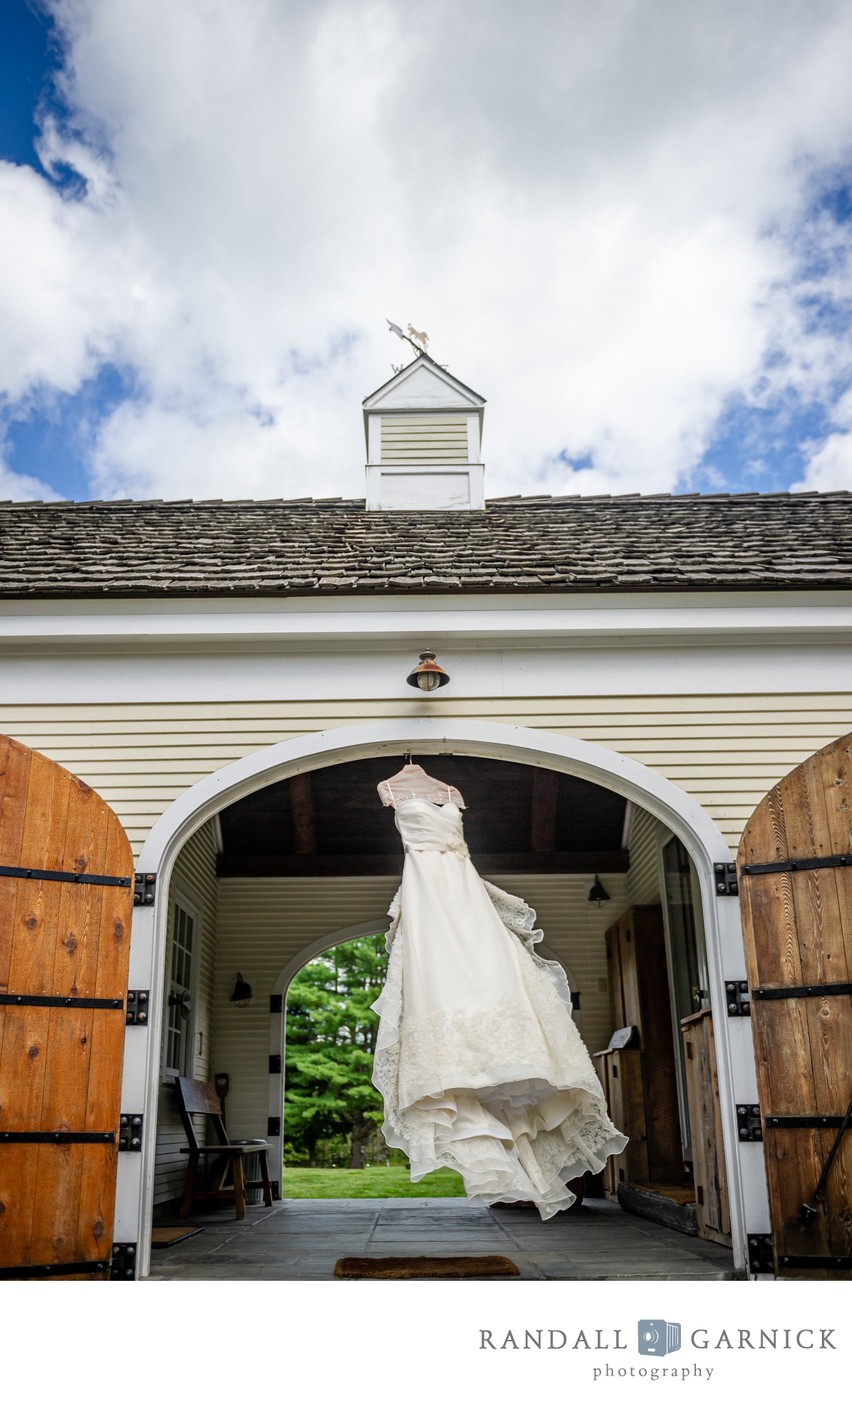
479, 1063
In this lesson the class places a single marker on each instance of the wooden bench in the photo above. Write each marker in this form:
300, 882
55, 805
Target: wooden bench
196, 1099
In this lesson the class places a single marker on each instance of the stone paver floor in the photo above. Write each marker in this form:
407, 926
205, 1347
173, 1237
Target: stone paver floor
302, 1240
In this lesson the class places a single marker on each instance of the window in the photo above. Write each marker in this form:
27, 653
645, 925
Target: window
183, 939
686, 940
687, 959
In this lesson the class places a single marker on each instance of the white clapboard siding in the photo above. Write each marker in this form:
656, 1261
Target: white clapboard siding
643, 842
264, 923
415, 440
726, 751
194, 879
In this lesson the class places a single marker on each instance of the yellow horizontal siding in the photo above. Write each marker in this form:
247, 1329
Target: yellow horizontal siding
726, 751
643, 879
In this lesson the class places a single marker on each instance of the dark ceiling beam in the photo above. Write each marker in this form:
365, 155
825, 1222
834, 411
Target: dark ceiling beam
545, 784
331, 865
302, 810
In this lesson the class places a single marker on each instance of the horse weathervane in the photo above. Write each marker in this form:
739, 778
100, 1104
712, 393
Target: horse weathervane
418, 341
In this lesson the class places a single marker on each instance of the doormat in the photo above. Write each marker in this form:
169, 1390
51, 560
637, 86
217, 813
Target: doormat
162, 1236
424, 1267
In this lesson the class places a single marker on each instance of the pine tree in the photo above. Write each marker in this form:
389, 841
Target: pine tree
331, 1040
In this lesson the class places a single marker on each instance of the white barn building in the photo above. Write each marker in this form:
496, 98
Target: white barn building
629, 677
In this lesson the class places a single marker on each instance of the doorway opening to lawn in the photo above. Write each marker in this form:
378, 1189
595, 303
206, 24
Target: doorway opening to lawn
333, 1145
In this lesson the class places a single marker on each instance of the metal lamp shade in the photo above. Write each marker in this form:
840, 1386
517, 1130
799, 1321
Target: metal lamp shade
427, 675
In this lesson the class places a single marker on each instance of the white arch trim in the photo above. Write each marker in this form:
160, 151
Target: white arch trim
426, 735
325, 943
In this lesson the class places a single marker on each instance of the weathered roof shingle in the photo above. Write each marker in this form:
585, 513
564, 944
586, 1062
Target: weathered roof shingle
335, 547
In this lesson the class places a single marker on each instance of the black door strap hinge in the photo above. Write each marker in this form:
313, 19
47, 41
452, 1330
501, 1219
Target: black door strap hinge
57, 1137
66, 1002
801, 992
815, 1262
53, 875
797, 865
41, 1272
804, 1120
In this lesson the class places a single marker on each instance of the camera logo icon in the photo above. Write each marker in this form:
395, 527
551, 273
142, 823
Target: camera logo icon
657, 1338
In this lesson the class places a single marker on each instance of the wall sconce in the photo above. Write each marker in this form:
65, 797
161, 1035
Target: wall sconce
243, 992
427, 675
598, 894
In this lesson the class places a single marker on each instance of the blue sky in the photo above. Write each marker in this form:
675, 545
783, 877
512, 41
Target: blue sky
627, 226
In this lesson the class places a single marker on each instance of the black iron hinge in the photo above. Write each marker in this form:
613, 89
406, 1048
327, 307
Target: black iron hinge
56, 875
130, 1132
749, 1126
145, 889
123, 1265
737, 998
137, 1007
761, 1259
59, 1271
726, 879
815, 1262
801, 992
798, 865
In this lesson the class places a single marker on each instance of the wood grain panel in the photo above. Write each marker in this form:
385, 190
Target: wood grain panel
60, 1069
797, 930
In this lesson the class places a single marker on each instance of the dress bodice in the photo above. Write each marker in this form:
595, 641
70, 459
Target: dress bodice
430, 828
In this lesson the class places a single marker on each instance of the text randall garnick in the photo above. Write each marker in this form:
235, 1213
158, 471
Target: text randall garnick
611, 1340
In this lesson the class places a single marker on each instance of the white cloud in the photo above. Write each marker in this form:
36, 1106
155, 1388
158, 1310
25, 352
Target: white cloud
593, 209
17, 487
829, 465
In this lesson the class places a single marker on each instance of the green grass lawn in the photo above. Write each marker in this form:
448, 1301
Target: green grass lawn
372, 1184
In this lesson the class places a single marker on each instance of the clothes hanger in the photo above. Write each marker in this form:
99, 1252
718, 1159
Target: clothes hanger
412, 782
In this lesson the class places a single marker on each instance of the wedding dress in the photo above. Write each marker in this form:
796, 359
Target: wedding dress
478, 1060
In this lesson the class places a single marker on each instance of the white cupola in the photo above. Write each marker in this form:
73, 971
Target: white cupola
424, 434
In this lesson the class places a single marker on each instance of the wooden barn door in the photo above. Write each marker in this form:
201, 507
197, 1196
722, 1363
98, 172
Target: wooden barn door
795, 864
66, 893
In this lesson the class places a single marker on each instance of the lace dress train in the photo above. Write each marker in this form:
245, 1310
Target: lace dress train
478, 1060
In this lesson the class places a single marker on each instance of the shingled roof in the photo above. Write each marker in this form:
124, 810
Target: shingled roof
285, 548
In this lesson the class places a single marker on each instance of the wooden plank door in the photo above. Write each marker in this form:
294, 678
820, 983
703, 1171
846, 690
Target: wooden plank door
66, 893
796, 897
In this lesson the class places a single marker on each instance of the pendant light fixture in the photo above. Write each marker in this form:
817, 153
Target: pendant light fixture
427, 675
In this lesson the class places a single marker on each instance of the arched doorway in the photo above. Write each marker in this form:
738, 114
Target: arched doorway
697, 831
